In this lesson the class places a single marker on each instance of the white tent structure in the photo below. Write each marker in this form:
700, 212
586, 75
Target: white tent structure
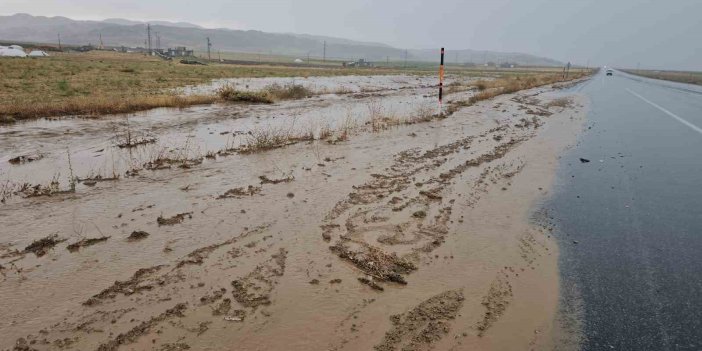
298, 61
12, 51
38, 53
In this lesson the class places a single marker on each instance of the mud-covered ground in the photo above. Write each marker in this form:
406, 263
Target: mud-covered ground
412, 236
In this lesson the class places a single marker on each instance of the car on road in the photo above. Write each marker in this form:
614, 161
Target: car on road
610, 72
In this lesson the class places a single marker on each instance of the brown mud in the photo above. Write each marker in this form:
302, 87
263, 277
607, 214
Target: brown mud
411, 237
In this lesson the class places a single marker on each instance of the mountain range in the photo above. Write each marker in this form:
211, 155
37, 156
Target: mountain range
117, 32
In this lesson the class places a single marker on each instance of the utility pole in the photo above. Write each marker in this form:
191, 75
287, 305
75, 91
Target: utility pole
324, 57
209, 45
59, 41
101, 45
219, 53
148, 35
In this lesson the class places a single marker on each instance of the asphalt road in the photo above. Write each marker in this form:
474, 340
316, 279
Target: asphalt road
630, 220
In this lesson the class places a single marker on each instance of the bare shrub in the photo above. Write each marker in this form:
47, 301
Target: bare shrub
288, 91
230, 93
560, 102
380, 119
423, 113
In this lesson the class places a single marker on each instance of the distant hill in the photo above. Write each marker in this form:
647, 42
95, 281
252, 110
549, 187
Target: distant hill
127, 22
123, 32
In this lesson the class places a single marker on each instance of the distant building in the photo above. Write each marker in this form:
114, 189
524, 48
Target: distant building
12, 51
85, 48
179, 51
359, 63
38, 53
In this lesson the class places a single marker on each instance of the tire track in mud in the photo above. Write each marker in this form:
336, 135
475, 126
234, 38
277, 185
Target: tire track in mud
423, 325
201, 271
384, 238
383, 228
500, 295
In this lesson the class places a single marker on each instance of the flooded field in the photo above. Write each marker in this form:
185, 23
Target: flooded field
108, 148
353, 219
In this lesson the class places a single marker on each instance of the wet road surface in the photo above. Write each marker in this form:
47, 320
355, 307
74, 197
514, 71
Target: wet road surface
630, 220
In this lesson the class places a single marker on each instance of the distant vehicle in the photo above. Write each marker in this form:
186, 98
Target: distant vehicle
610, 72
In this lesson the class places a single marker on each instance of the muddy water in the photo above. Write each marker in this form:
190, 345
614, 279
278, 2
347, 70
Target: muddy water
193, 132
255, 269
344, 84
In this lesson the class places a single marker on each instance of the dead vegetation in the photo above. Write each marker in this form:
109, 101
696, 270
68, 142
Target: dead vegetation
85, 242
289, 91
42, 246
137, 235
173, 219
270, 137
17, 160
240, 192
98, 105
560, 102
489, 89
674, 76
265, 180
374, 262
231, 94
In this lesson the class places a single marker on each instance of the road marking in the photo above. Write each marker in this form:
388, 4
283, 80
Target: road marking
680, 119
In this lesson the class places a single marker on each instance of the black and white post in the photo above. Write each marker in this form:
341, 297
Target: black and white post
441, 80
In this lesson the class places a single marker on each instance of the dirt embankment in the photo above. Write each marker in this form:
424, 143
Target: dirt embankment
311, 246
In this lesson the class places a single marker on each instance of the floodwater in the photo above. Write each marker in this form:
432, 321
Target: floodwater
193, 132
310, 246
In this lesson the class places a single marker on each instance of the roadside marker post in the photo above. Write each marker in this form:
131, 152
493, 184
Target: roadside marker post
441, 80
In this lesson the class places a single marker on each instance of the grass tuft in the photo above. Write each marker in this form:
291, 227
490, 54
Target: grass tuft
231, 94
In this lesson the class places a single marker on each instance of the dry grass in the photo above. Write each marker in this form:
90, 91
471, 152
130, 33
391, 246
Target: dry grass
380, 118
267, 138
103, 82
288, 91
489, 89
675, 76
231, 94
96, 105
560, 102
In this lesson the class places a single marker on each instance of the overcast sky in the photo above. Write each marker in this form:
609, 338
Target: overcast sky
656, 33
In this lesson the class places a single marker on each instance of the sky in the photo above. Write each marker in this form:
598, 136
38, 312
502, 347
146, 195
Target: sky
623, 33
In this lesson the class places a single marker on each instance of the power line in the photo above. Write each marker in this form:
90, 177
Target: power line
209, 45
148, 34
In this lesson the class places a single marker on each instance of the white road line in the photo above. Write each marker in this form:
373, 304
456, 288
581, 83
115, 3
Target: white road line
680, 119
